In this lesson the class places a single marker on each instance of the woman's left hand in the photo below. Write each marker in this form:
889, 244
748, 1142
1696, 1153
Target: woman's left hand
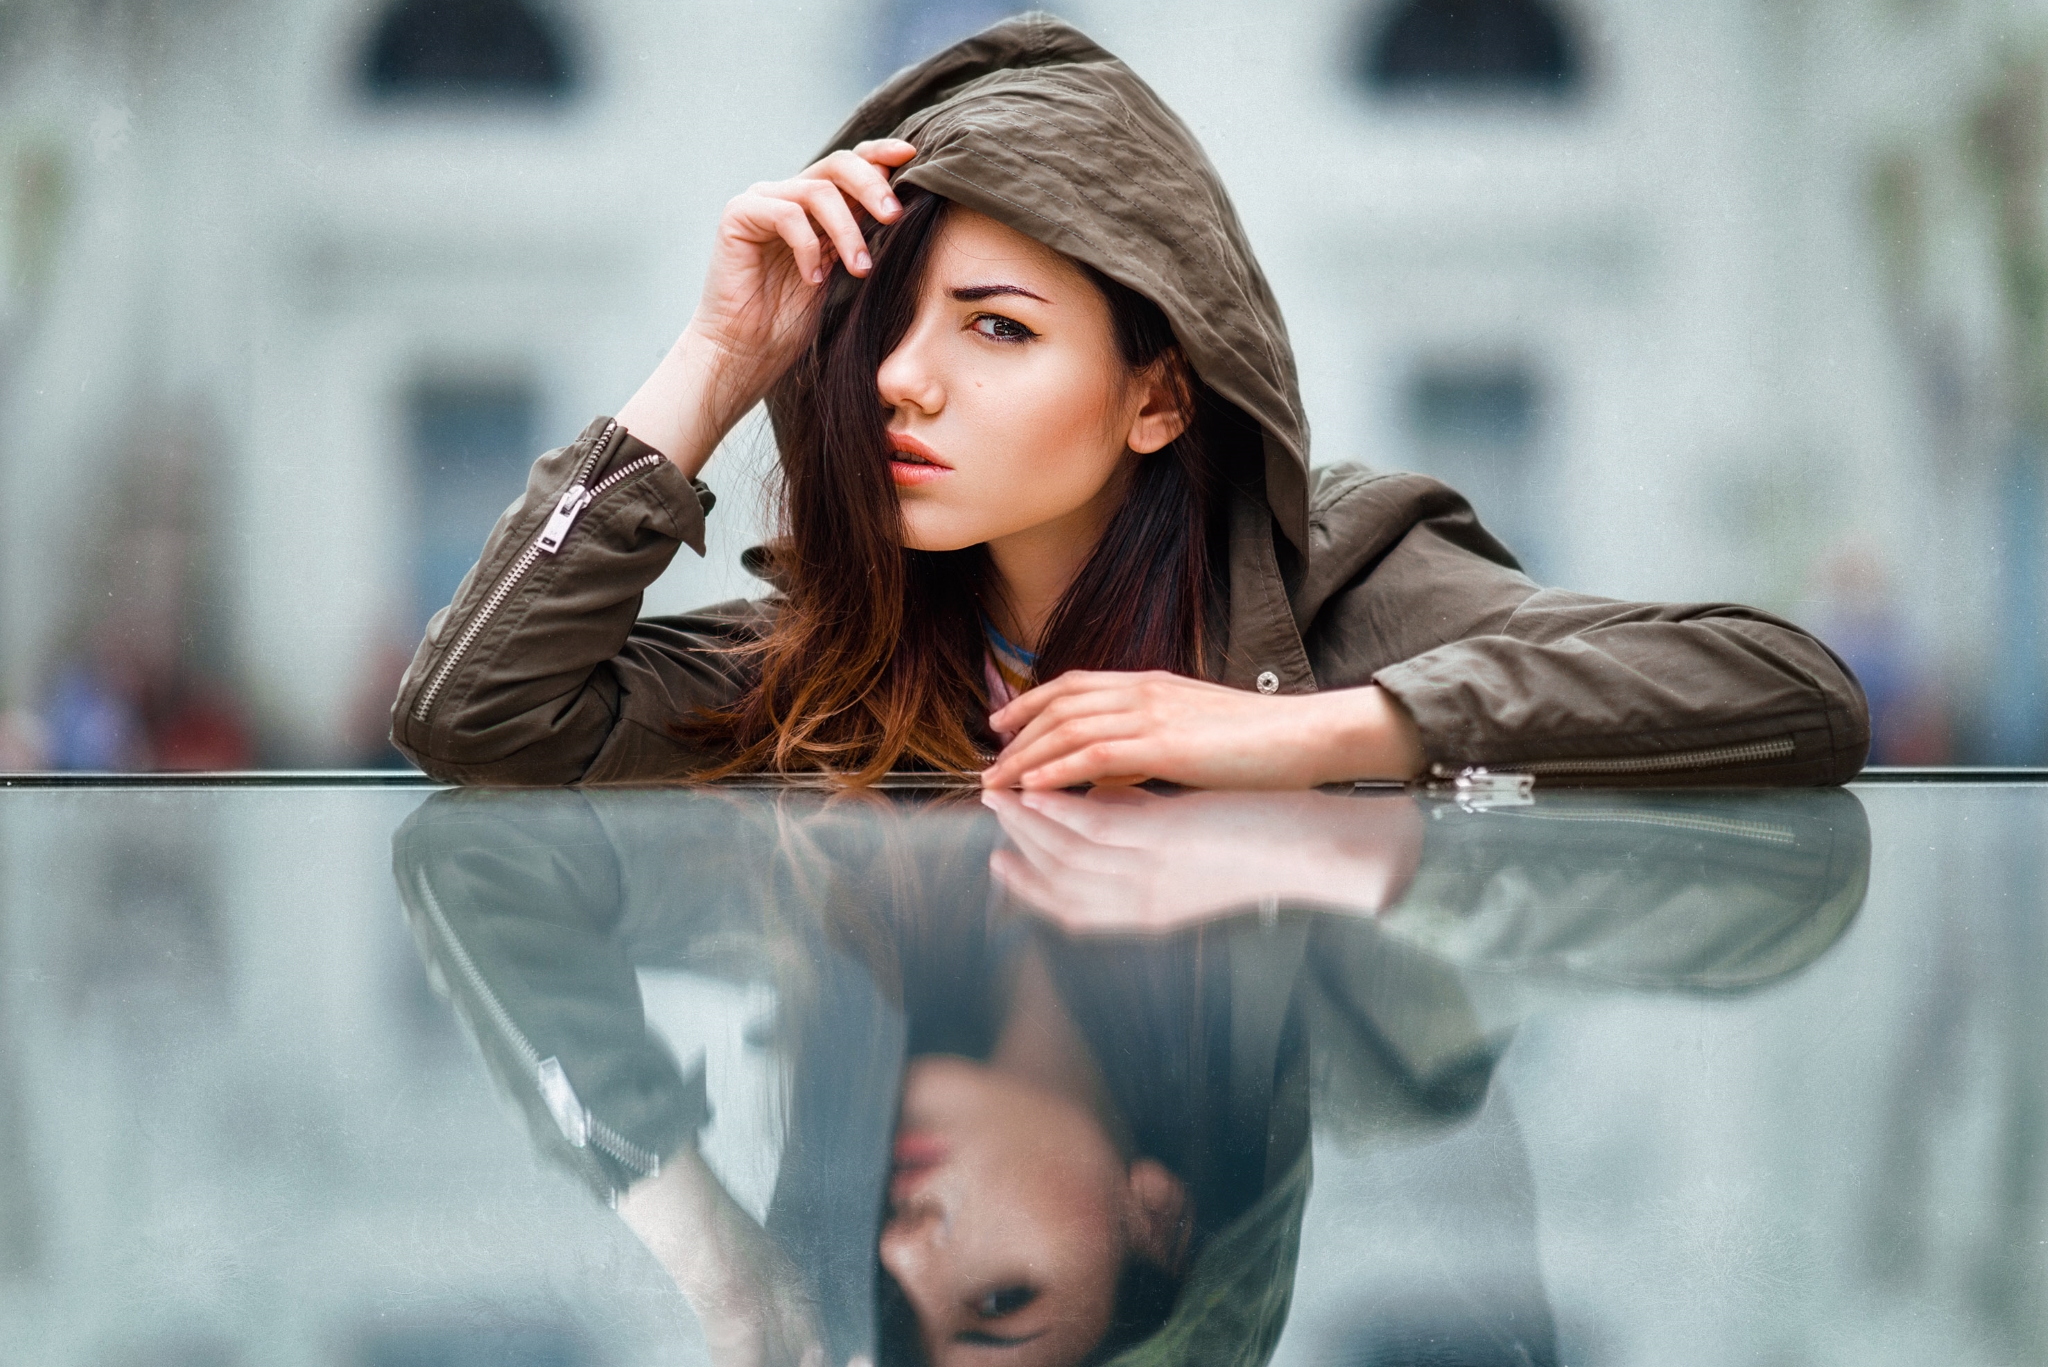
1103, 727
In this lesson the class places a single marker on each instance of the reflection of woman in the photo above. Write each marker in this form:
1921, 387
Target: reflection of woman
1064, 1157
995, 1140
1045, 483
1001, 1140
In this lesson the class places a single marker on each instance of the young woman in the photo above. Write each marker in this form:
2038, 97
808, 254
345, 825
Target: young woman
1047, 513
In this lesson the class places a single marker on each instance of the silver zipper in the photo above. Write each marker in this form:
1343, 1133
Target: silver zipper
571, 1116
618, 1146
568, 508
1478, 789
1719, 756
1768, 832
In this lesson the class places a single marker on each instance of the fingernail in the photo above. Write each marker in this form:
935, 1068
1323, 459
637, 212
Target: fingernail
889, 204
862, 261
818, 275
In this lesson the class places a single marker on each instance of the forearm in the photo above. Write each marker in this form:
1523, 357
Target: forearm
693, 398
501, 689
1639, 692
682, 1214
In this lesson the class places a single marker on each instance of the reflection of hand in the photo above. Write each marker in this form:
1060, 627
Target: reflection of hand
1090, 726
755, 1311
747, 1294
1127, 861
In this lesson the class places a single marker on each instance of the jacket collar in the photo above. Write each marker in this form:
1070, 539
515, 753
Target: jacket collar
1261, 636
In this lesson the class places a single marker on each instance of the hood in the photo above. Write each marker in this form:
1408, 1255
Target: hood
1033, 124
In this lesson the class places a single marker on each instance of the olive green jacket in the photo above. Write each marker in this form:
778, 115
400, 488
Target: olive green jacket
542, 672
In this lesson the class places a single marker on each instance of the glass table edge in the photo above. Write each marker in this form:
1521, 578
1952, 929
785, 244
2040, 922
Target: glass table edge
396, 778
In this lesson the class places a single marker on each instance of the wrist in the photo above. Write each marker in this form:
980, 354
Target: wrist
1364, 733
693, 398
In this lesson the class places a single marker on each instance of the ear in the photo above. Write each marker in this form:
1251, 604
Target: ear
1162, 409
1158, 1216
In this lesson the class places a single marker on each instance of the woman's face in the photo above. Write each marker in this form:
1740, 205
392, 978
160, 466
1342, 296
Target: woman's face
1011, 408
1011, 1215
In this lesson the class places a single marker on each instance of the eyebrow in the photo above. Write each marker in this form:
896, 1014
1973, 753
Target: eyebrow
969, 294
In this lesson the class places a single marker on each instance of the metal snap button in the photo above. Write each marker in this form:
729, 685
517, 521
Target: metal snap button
1269, 682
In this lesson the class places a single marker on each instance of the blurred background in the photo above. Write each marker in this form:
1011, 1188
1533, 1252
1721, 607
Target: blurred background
1737, 299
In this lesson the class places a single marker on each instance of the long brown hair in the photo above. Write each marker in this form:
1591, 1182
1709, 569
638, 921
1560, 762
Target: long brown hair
874, 661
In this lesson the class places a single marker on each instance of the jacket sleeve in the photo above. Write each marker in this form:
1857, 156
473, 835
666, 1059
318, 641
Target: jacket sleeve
1500, 672
540, 672
1695, 891
518, 909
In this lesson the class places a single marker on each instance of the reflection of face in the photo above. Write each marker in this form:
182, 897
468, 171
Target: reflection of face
1010, 1216
1010, 378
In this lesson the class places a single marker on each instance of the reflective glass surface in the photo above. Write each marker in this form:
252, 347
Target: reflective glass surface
385, 1075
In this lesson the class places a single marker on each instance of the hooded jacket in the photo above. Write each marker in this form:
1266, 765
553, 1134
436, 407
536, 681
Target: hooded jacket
541, 672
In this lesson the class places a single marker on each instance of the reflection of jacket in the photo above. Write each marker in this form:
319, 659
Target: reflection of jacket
1699, 891
538, 672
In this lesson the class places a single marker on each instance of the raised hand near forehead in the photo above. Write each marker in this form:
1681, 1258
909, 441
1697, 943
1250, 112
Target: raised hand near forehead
775, 246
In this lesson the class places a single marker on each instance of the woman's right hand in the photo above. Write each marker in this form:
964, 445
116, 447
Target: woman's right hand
775, 247
776, 244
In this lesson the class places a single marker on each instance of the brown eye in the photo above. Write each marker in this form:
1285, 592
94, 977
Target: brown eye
997, 328
1005, 1300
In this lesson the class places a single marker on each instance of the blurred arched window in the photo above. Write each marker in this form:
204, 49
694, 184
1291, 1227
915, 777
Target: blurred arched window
1457, 49
488, 49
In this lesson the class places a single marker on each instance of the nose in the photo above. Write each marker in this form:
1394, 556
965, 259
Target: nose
910, 1244
907, 380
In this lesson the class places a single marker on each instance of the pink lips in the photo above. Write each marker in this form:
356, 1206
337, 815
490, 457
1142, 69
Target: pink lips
923, 468
918, 1154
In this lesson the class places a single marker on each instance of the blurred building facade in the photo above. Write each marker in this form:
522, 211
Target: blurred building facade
1737, 300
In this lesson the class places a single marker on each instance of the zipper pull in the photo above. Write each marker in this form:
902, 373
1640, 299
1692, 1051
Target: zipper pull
562, 1103
563, 518
1477, 789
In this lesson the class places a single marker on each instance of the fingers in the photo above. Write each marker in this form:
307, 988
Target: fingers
814, 212
1053, 847
858, 174
760, 216
1016, 873
861, 179
1020, 712
1121, 761
827, 207
1028, 885
795, 211
885, 151
1079, 904
1063, 713
1125, 817
1028, 753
